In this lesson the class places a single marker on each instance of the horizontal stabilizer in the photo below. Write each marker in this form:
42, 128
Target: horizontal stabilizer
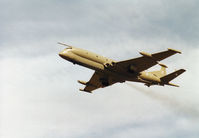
171, 76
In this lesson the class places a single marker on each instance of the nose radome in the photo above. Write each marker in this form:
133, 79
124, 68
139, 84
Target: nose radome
61, 54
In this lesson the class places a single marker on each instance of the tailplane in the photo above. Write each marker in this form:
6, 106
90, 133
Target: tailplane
167, 78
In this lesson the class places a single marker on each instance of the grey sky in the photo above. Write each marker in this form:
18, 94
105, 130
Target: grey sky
39, 94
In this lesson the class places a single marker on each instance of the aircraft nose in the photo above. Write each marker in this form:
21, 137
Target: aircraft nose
64, 54
61, 54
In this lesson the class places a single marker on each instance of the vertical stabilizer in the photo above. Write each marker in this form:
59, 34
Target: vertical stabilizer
160, 73
163, 69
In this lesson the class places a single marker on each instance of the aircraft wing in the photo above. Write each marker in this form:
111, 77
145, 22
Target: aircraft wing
146, 61
96, 82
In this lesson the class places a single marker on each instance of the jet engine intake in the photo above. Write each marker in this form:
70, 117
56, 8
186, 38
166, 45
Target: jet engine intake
132, 68
104, 81
109, 64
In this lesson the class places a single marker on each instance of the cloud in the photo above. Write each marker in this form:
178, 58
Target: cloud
179, 106
138, 19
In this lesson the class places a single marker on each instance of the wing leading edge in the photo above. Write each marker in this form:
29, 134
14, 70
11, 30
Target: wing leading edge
146, 61
93, 83
98, 80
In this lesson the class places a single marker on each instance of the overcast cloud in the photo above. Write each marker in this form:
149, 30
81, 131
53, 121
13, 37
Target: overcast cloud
39, 95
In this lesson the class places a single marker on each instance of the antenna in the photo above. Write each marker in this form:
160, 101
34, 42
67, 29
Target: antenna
65, 44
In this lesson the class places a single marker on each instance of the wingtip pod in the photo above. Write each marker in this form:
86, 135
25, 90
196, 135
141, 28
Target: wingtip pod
171, 84
82, 82
162, 65
177, 51
145, 54
85, 90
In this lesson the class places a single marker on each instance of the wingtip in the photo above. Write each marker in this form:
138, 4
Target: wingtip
183, 70
83, 90
177, 51
162, 65
175, 85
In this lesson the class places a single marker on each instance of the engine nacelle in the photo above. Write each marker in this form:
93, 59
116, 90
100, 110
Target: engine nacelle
104, 81
146, 54
132, 68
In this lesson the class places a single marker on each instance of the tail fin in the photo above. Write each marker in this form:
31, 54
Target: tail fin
166, 79
163, 69
162, 72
